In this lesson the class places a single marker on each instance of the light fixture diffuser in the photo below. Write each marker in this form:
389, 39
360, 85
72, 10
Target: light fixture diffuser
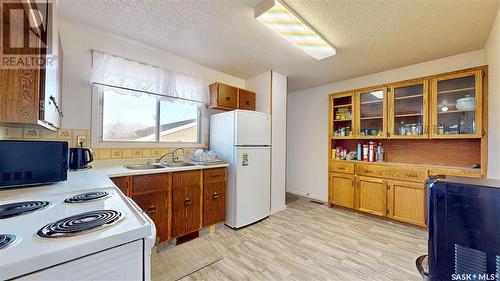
281, 19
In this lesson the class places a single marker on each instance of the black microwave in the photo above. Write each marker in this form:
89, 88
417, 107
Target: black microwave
32, 162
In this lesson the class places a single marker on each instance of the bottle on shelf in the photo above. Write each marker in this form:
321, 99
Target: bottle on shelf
380, 153
360, 153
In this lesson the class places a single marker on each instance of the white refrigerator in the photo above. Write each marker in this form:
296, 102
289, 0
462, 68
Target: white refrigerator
243, 139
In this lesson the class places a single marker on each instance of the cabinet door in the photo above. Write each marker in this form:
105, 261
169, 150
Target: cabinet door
227, 96
408, 110
406, 202
457, 105
121, 183
156, 207
371, 114
186, 202
20, 88
214, 202
342, 190
50, 95
371, 195
342, 125
246, 100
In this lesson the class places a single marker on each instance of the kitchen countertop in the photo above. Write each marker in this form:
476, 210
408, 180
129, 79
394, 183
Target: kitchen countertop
90, 179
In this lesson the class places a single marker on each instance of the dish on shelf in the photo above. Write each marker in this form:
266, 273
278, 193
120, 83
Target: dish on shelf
466, 103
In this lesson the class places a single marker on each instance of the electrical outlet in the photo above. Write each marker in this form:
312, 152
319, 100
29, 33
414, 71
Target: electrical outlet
82, 140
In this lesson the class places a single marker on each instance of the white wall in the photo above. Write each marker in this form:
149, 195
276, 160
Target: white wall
493, 59
77, 41
278, 142
270, 93
307, 134
261, 85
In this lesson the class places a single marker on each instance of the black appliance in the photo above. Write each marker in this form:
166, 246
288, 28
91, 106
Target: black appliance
464, 230
32, 162
79, 158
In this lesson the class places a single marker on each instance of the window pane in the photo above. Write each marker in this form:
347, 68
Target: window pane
128, 116
178, 121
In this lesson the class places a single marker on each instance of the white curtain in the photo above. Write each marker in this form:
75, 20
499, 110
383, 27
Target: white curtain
116, 71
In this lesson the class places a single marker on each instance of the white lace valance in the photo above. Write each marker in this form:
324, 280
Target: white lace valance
115, 71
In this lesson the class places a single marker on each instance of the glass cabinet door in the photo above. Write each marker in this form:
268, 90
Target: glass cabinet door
371, 114
457, 102
408, 110
342, 116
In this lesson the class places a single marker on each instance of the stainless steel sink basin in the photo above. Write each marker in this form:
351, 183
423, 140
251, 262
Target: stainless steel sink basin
179, 164
144, 166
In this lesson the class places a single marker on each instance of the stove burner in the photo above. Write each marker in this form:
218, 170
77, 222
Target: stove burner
19, 208
86, 197
79, 223
6, 240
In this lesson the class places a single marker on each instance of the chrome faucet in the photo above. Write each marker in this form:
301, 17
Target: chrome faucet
172, 153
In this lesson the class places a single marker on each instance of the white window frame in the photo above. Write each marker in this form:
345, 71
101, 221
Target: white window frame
97, 119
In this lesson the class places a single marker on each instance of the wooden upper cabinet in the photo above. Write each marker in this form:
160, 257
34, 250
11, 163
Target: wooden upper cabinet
246, 100
342, 125
33, 96
406, 202
408, 103
457, 105
371, 195
371, 113
227, 97
342, 190
223, 96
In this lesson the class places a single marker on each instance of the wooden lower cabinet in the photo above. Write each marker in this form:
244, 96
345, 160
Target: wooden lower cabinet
371, 195
406, 202
155, 205
186, 202
179, 203
214, 203
121, 183
342, 190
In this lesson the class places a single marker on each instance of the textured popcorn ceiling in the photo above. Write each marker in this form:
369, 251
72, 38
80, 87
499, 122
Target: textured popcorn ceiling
370, 36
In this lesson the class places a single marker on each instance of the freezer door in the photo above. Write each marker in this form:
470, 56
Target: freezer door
252, 189
252, 128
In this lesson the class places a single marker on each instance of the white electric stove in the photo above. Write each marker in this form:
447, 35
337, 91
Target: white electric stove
93, 234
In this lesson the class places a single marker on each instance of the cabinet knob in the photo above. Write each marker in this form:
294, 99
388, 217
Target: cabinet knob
216, 195
228, 98
151, 209
247, 102
187, 201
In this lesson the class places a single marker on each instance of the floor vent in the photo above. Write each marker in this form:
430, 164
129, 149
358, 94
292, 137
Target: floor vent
317, 202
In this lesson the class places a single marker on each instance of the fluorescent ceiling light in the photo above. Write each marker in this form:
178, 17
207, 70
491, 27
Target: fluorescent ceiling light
281, 19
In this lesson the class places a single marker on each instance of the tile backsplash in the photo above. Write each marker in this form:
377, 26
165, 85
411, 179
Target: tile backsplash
74, 135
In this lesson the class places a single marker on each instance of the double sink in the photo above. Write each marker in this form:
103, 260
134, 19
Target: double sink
158, 165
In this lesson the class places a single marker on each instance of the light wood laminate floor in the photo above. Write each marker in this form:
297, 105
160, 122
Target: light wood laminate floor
308, 241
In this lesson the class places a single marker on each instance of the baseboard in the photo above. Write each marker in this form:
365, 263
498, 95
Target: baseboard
278, 210
298, 193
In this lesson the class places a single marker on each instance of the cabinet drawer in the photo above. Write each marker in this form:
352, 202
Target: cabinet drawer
214, 175
187, 178
398, 173
246, 100
121, 183
150, 183
339, 167
227, 96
